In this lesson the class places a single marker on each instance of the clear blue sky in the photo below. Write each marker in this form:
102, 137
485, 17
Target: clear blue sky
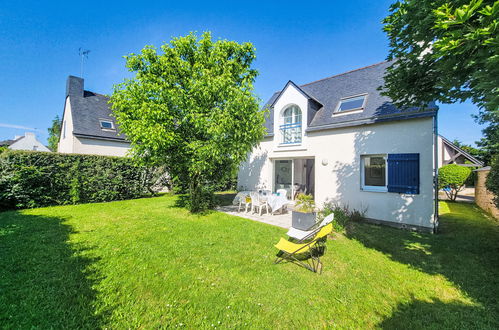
302, 41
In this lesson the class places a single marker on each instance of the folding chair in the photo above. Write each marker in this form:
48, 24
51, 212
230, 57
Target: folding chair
301, 235
296, 252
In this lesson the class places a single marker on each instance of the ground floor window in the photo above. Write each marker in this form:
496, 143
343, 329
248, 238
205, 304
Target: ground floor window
373, 172
398, 173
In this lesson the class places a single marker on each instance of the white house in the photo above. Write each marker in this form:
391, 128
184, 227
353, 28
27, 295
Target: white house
26, 142
339, 139
87, 124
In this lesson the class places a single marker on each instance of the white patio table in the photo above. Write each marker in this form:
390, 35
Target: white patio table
277, 202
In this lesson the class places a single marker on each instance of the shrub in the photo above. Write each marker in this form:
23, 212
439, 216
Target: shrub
342, 214
305, 203
452, 177
492, 182
33, 179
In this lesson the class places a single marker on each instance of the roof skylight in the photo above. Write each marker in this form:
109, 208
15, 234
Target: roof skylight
352, 103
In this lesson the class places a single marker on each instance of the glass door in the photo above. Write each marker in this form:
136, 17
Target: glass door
283, 175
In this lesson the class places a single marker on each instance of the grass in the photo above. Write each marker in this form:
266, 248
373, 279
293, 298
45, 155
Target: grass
148, 263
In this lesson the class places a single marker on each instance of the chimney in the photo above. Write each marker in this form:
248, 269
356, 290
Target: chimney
74, 86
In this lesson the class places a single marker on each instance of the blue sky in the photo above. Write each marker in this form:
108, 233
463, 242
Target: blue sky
302, 41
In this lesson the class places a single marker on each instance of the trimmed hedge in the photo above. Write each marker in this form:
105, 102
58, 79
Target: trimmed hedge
33, 179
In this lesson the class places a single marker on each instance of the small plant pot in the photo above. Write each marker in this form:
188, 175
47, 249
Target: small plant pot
303, 221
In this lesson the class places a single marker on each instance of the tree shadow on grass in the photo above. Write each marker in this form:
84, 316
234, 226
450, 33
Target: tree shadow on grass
44, 281
466, 252
437, 314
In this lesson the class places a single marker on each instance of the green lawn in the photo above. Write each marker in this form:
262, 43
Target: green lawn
148, 263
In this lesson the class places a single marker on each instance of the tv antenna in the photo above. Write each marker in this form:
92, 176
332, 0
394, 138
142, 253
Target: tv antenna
83, 54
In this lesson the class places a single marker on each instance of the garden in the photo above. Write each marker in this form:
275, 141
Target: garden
151, 263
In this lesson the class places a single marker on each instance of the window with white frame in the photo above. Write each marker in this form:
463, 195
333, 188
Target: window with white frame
351, 103
291, 128
106, 124
374, 173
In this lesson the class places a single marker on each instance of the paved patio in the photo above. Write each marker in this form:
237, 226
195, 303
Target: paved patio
281, 220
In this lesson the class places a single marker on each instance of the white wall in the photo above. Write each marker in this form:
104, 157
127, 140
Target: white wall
29, 142
339, 180
100, 147
66, 140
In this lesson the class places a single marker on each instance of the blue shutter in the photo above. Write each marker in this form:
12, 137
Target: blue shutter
403, 173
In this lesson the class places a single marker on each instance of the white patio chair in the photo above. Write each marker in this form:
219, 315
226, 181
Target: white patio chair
246, 201
302, 234
257, 202
282, 192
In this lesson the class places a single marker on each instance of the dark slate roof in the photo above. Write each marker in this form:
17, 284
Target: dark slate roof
87, 110
10, 142
329, 91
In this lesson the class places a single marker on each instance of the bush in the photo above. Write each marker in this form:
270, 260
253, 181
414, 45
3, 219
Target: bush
452, 177
305, 203
34, 179
492, 182
342, 214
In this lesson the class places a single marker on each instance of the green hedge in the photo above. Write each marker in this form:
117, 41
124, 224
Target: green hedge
33, 179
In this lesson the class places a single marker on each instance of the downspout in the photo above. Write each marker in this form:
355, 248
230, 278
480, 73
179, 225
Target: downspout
435, 170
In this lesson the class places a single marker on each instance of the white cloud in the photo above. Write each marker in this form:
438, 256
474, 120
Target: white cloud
20, 127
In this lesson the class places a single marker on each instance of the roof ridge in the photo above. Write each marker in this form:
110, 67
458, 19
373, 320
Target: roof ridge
340, 74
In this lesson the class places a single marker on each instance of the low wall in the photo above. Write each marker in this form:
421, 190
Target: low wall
483, 197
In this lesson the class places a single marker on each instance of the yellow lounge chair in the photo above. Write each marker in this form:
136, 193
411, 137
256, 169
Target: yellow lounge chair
292, 251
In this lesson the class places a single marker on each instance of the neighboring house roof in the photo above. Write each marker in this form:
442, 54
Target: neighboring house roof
26, 142
10, 142
329, 91
460, 151
87, 109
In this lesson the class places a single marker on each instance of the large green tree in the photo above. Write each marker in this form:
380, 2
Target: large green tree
446, 51
191, 108
54, 133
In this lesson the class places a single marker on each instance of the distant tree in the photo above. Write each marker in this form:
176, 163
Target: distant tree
191, 108
492, 182
451, 178
54, 133
490, 143
475, 152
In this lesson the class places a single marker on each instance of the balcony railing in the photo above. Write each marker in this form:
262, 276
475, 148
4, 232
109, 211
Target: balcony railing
291, 133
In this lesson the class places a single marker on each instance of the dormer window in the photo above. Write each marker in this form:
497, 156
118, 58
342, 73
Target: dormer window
291, 125
106, 124
352, 103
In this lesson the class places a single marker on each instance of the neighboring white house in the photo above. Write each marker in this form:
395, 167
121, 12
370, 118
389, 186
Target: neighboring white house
87, 124
26, 142
339, 139
449, 153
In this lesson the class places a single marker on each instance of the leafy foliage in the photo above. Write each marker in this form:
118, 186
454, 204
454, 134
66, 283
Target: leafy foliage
342, 214
492, 181
490, 143
445, 51
192, 109
33, 179
305, 203
54, 133
452, 177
